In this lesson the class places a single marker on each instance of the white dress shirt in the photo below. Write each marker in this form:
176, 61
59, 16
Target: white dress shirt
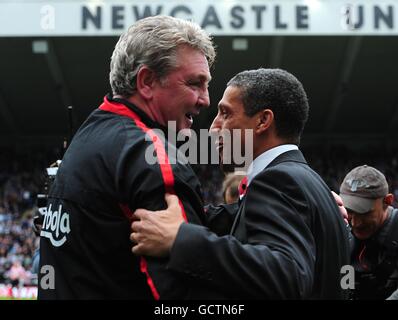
264, 159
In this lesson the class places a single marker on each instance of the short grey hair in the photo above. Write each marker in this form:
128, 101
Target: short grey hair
153, 42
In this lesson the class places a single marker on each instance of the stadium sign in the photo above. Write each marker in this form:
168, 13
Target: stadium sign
219, 17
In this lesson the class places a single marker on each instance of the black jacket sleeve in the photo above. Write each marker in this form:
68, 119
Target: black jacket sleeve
279, 257
220, 219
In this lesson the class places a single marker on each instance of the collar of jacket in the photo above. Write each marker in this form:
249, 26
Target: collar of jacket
288, 156
143, 116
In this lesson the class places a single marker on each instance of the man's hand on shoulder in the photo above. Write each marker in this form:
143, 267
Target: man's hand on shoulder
154, 232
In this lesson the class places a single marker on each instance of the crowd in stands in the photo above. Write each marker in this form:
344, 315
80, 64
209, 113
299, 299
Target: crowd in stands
22, 176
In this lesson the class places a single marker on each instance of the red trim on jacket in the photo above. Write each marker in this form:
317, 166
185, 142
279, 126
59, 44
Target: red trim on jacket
165, 169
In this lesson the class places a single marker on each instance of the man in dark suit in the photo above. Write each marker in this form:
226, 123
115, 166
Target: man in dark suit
288, 240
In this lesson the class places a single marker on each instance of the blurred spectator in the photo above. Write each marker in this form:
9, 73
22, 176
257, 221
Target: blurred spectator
18, 275
230, 187
374, 226
211, 178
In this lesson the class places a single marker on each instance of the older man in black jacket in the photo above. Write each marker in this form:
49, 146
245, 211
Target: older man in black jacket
159, 74
288, 240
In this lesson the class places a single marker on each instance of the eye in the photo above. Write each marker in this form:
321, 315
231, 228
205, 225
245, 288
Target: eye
195, 83
199, 84
224, 113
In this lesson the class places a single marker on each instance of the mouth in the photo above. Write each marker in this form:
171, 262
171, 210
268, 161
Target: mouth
360, 231
189, 116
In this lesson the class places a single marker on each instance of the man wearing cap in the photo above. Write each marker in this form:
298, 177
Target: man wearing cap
374, 225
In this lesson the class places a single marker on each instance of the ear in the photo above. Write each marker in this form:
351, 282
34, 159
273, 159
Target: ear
265, 118
146, 79
388, 199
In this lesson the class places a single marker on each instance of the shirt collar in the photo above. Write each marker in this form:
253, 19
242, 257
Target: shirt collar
264, 159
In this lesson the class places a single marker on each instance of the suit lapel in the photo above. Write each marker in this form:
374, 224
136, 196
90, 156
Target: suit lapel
238, 229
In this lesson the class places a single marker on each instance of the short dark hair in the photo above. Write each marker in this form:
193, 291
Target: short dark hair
279, 91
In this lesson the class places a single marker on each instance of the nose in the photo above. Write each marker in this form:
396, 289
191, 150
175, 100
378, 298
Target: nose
355, 221
216, 125
204, 99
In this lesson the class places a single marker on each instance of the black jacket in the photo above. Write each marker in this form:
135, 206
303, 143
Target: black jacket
290, 242
104, 176
375, 261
